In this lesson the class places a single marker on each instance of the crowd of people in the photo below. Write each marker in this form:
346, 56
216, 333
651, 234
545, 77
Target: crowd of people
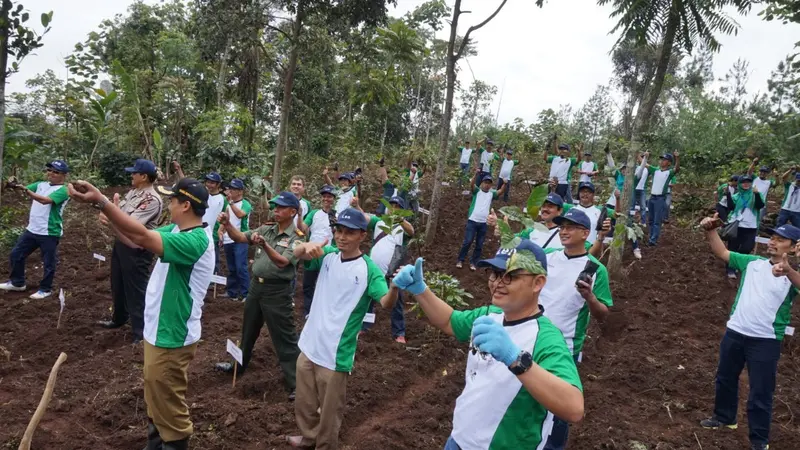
522, 384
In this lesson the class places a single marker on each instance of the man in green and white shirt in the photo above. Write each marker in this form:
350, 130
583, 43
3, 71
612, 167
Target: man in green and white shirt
238, 213
44, 231
587, 169
174, 301
487, 157
519, 372
319, 223
790, 207
762, 182
759, 317
506, 169
479, 209
586, 204
561, 167
657, 204
348, 283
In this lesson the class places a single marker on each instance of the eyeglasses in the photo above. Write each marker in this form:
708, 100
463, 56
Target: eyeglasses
504, 277
50, 171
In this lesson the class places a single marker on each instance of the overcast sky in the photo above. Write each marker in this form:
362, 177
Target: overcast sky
539, 58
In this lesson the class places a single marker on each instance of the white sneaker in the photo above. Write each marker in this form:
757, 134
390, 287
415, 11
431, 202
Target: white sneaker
637, 253
732, 275
40, 295
7, 286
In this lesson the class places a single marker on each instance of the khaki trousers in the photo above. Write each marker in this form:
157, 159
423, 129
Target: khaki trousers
165, 383
323, 389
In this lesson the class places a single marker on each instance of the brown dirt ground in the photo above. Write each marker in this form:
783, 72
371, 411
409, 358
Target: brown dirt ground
648, 371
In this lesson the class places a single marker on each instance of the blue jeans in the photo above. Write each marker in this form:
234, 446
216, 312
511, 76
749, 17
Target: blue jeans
309, 286
786, 216
398, 318
238, 276
451, 444
658, 207
640, 198
27, 244
565, 191
475, 232
500, 183
669, 205
761, 357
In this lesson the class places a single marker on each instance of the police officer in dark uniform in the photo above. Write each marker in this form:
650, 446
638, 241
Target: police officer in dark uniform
269, 299
130, 264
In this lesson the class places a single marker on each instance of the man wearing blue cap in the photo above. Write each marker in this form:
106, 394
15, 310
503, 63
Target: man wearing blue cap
479, 210
587, 168
349, 281
519, 371
346, 192
504, 176
320, 224
569, 298
561, 167
130, 263
759, 317
587, 206
657, 205
44, 231
550, 209
269, 299
238, 215
790, 208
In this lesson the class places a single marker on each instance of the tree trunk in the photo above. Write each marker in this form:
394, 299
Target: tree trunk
430, 232
223, 68
3, 66
288, 82
430, 118
383, 137
640, 126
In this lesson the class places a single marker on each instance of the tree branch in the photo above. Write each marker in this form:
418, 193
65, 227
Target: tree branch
280, 31
477, 27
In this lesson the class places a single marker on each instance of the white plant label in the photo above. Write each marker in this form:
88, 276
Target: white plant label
99, 257
762, 240
61, 299
445, 183
219, 279
789, 331
531, 182
424, 211
235, 351
369, 318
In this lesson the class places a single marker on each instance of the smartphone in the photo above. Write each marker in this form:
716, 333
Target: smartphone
601, 219
588, 272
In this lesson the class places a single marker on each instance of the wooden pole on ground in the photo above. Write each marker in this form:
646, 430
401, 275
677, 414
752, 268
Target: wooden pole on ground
25, 444
235, 366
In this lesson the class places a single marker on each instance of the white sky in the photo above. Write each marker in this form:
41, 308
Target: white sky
541, 58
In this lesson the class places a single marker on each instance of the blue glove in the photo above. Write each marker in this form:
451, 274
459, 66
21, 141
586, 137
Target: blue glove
410, 278
490, 337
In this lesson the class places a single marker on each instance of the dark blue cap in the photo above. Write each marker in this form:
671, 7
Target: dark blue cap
745, 179
586, 185
142, 166
236, 184
353, 219
734, 178
509, 151
563, 147
786, 231
346, 176
575, 216
500, 260
667, 156
489, 142
58, 165
327, 189
587, 153
398, 201
487, 178
286, 199
555, 199
797, 176
764, 169
214, 176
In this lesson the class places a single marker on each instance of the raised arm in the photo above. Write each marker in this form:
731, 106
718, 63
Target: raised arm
785, 176
677, 156
710, 225
233, 233
411, 279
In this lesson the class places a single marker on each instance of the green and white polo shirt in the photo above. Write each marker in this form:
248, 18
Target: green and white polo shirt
495, 411
763, 304
343, 198
661, 179
763, 185
487, 158
481, 204
587, 166
561, 168
177, 287
641, 176
507, 168
344, 291
561, 300
47, 220
593, 211
240, 223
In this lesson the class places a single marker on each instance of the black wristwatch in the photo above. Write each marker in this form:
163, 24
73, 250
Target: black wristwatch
522, 364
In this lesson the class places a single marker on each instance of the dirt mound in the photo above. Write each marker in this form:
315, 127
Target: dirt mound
648, 371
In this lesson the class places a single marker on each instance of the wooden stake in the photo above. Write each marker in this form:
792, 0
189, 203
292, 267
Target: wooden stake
215, 291
235, 366
25, 443
58, 324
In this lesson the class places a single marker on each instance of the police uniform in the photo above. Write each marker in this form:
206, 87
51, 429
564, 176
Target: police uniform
130, 267
269, 299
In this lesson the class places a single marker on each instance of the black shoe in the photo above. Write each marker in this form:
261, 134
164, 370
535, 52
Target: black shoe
153, 438
714, 424
136, 340
292, 395
183, 444
110, 324
226, 367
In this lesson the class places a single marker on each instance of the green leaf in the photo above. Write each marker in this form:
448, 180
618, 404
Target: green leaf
46, 18
536, 199
25, 17
157, 139
526, 261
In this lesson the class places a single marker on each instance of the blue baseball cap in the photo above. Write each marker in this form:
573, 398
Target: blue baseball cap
587, 153
734, 178
327, 189
214, 176
555, 199
489, 142
586, 185
346, 176
286, 199
764, 169
487, 178
797, 176
58, 165
563, 147
509, 151
236, 184
142, 166
500, 260
745, 179
787, 231
353, 219
667, 156
575, 216
398, 201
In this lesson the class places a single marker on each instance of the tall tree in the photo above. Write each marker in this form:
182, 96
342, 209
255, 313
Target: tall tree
676, 25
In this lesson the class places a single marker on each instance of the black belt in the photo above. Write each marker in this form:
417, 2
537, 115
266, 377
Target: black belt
272, 281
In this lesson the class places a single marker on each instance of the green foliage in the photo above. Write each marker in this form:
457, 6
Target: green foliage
112, 167
447, 288
525, 260
536, 200
394, 216
8, 232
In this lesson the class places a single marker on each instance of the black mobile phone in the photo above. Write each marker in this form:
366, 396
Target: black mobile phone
601, 219
588, 272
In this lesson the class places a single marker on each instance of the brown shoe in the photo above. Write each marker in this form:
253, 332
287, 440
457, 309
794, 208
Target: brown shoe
297, 442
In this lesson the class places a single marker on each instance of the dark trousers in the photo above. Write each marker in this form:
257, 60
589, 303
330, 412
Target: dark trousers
398, 318
658, 210
475, 232
130, 272
560, 433
500, 183
640, 198
238, 276
309, 286
723, 212
565, 192
271, 303
481, 174
761, 357
744, 242
786, 216
27, 244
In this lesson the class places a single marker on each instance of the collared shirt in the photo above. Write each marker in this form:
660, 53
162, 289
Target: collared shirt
144, 205
47, 220
283, 242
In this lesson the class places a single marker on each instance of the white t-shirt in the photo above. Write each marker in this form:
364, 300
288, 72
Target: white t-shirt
642, 173
240, 223
343, 202
541, 238
215, 204
763, 186
747, 219
763, 305
320, 228
587, 166
466, 155
660, 179
486, 158
792, 200
559, 168
383, 250
481, 204
506, 168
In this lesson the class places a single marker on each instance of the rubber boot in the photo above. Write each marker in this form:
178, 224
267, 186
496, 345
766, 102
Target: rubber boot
154, 441
183, 444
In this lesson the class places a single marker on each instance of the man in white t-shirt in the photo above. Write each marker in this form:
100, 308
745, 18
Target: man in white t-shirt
758, 321
488, 155
561, 167
587, 168
550, 209
657, 205
790, 207
465, 161
238, 213
506, 170
586, 204
479, 209
762, 182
